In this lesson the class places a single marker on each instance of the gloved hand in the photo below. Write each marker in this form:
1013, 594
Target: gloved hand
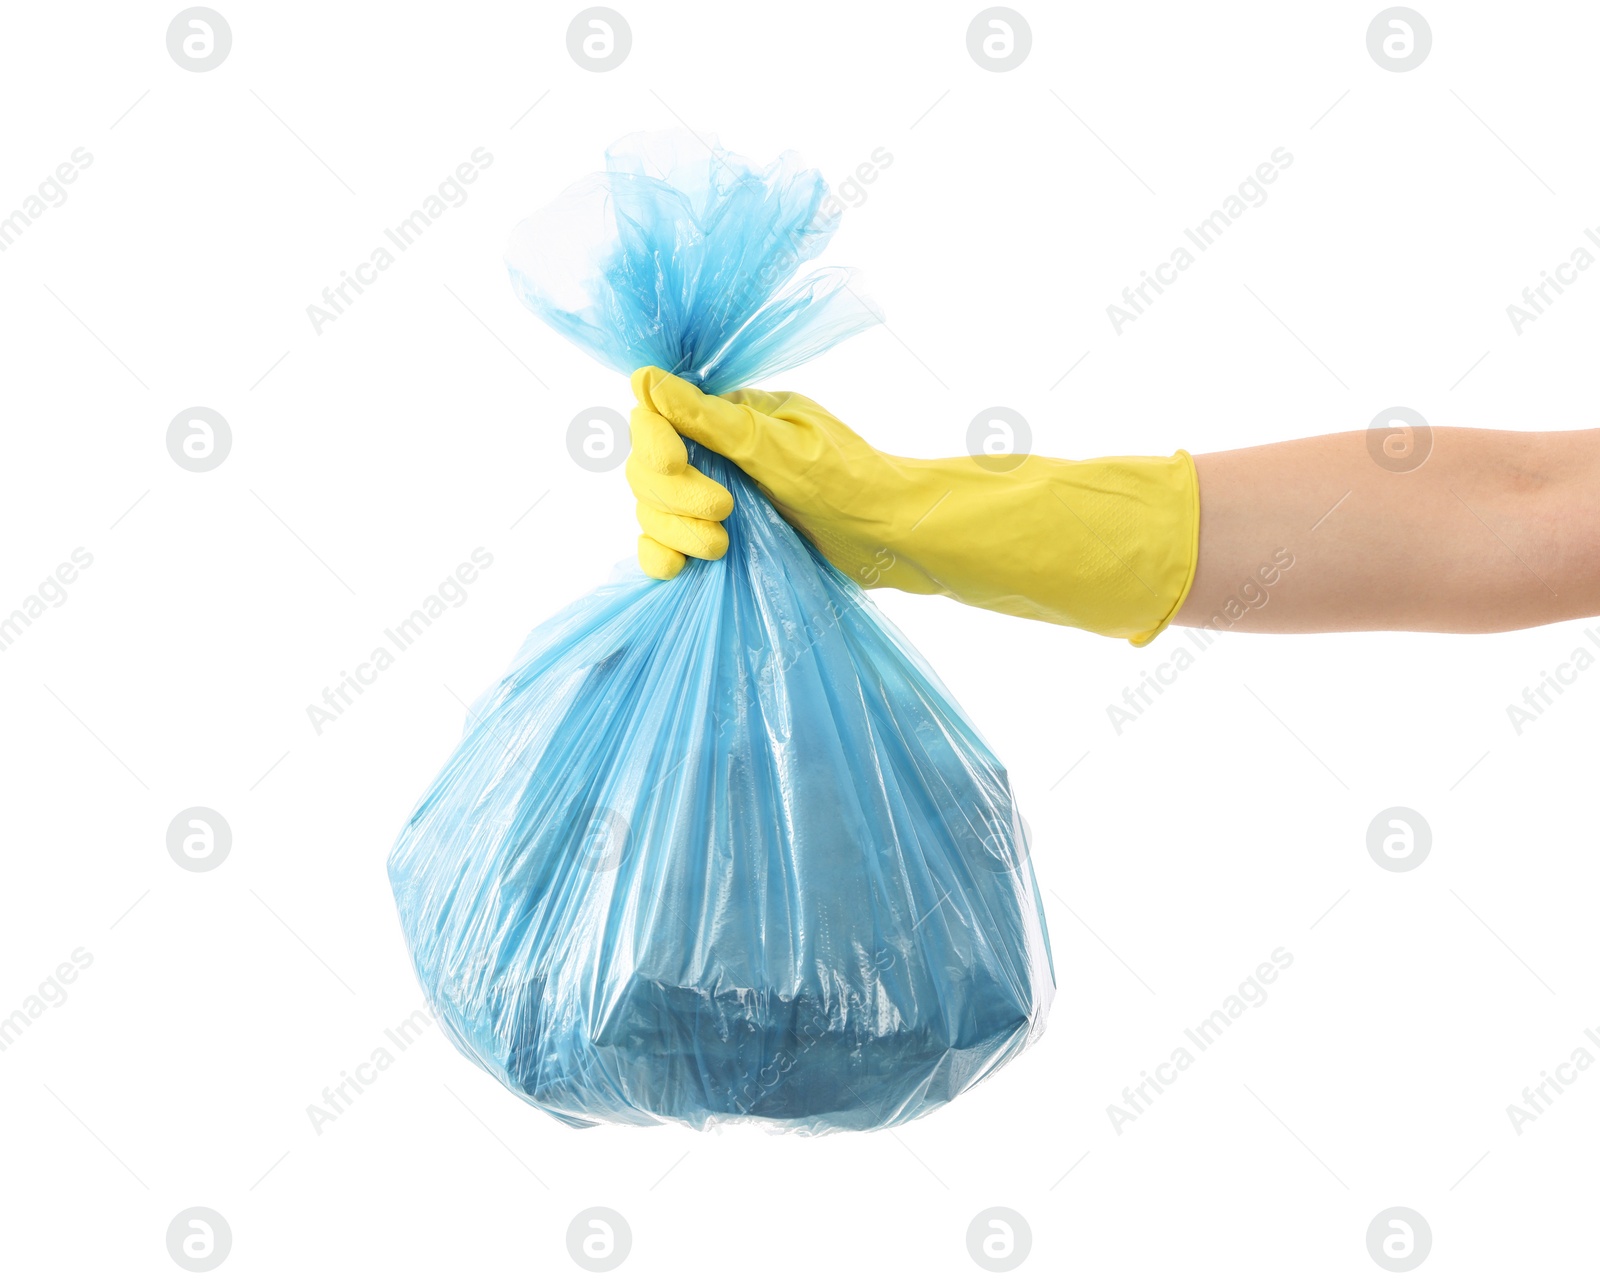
1107, 545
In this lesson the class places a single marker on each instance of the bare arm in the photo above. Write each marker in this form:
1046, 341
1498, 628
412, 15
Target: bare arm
1494, 531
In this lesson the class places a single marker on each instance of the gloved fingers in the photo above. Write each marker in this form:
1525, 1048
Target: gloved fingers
809, 433
689, 492
703, 539
654, 443
754, 398
729, 429
659, 561
788, 406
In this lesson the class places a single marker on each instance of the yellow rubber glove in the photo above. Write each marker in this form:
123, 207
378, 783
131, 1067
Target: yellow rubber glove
1107, 545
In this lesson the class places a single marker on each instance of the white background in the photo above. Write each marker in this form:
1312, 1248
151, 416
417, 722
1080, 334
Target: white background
427, 420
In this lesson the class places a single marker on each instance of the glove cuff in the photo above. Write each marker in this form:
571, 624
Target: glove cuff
1174, 570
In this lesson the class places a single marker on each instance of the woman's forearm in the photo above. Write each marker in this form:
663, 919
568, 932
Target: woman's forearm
1495, 530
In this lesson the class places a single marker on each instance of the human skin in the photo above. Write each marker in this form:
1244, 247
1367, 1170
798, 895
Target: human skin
1494, 531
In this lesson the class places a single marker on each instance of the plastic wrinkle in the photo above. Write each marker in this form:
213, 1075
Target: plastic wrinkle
720, 848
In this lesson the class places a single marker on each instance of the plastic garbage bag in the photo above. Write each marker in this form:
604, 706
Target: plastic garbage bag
722, 847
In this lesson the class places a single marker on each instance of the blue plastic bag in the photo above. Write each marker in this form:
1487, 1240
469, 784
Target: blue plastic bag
722, 847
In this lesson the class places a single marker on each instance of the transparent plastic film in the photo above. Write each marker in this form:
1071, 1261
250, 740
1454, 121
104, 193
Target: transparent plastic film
720, 848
